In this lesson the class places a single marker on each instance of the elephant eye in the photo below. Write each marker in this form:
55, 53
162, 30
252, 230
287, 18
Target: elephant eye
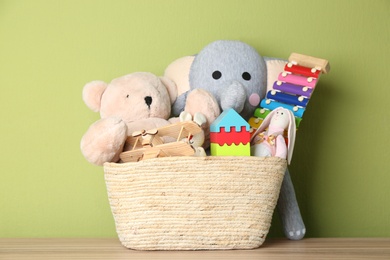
246, 76
217, 74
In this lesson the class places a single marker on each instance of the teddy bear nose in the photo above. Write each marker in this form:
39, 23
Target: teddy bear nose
148, 100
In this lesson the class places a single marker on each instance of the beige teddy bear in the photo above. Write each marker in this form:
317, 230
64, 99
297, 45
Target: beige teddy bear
136, 101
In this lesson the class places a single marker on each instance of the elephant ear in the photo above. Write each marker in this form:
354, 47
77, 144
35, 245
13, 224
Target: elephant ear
274, 68
178, 71
92, 94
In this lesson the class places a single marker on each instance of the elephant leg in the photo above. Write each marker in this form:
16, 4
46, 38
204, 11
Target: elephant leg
289, 212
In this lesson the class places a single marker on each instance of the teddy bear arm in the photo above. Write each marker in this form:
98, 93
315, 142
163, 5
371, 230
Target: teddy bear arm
104, 141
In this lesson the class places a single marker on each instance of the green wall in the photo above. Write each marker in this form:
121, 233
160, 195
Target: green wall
50, 49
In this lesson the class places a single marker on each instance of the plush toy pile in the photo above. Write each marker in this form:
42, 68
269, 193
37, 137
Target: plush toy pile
129, 103
223, 75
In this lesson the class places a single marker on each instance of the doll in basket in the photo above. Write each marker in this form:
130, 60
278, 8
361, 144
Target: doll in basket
269, 140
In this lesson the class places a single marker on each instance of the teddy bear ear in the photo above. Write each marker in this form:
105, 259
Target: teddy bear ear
92, 94
171, 88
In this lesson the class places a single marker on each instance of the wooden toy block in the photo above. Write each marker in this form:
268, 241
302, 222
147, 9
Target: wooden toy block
230, 150
228, 119
230, 137
297, 80
231, 132
286, 98
261, 112
301, 70
309, 61
293, 89
271, 105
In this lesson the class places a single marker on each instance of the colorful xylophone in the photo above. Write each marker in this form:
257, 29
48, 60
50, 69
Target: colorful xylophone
293, 88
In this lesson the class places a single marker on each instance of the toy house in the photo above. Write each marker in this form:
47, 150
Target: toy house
229, 135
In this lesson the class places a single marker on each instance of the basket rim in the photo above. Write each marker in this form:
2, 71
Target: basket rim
203, 158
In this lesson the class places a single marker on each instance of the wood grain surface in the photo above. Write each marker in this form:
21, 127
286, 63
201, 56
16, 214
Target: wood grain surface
110, 248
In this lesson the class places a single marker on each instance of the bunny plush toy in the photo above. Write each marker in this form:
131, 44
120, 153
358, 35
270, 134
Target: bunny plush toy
268, 140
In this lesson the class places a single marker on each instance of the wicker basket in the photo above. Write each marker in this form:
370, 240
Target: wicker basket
194, 203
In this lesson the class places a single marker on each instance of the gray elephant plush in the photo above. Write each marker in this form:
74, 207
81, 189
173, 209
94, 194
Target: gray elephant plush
231, 74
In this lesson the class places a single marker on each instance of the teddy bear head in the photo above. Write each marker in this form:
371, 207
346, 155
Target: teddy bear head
132, 97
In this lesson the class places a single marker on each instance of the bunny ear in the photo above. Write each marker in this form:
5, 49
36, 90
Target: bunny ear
291, 136
265, 123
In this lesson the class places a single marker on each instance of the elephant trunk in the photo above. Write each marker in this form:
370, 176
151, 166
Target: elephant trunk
234, 96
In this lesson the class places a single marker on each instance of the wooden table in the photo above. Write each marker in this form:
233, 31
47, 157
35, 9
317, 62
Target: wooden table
110, 248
